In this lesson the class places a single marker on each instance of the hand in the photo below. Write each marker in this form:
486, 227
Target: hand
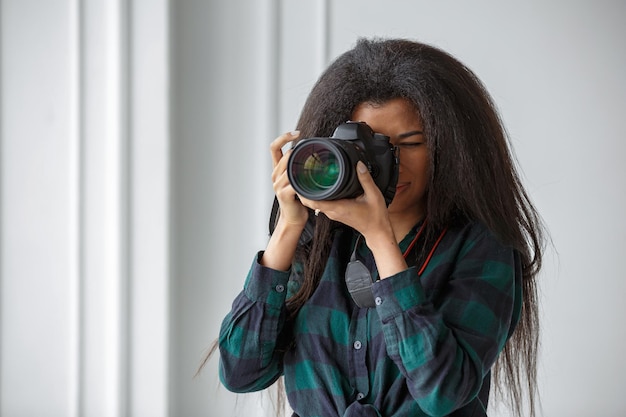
366, 213
282, 245
292, 212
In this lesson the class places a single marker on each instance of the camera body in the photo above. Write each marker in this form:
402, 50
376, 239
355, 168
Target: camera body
325, 168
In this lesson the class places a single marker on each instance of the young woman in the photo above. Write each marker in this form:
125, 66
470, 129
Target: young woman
454, 256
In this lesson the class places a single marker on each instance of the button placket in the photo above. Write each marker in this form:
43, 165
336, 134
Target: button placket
358, 334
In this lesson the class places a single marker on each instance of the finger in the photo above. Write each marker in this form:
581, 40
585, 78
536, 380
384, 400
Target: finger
280, 167
320, 205
282, 183
276, 147
365, 178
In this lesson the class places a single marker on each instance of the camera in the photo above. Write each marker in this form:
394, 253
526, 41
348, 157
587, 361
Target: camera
322, 168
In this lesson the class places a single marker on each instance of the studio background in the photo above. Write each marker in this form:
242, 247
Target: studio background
135, 182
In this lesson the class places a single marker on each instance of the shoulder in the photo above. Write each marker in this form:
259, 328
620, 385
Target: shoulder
470, 249
473, 238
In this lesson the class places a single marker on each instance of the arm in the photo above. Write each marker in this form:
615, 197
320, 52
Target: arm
293, 215
445, 344
249, 335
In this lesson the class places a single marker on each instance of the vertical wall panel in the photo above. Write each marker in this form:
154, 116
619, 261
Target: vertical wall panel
225, 114
104, 207
38, 274
149, 209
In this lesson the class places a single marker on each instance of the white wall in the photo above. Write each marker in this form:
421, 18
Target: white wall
84, 115
133, 152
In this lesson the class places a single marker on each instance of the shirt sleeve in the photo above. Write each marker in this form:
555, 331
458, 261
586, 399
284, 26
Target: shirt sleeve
249, 334
446, 340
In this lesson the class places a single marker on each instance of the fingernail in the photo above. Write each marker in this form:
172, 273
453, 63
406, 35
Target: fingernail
360, 166
295, 133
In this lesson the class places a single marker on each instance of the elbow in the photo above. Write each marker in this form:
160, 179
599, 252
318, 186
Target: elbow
437, 406
241, 375
234, 378
450, 391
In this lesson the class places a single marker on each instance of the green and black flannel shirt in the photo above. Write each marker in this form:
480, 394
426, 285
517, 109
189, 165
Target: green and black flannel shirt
426, 349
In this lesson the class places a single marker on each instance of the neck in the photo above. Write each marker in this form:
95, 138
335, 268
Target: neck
402, 225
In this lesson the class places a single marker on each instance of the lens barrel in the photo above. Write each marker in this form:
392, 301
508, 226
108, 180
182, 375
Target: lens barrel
324, 169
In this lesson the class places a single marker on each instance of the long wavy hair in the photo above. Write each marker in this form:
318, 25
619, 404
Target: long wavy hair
473, 175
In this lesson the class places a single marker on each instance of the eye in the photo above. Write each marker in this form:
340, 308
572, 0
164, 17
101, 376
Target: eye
409, 145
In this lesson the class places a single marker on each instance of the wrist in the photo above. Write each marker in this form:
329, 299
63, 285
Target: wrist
289, 227
282, 245
387, 254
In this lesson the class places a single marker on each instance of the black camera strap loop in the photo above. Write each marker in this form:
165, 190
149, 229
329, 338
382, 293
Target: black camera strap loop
359, 279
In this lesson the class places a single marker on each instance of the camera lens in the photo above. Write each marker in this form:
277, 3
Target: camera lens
320, 171
317, 169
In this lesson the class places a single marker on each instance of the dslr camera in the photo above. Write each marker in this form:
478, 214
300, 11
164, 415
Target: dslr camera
322, 168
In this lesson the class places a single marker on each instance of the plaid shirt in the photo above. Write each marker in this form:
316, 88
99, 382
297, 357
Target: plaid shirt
426, 349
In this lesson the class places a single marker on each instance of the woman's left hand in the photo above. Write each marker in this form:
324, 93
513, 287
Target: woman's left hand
368, 215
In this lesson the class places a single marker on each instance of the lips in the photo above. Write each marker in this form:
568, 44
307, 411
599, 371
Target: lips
401, 186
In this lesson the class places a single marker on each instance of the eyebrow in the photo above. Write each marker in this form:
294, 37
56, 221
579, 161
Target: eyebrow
409, 134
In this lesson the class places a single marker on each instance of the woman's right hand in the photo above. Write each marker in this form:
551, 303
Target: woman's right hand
293, 216
292, 212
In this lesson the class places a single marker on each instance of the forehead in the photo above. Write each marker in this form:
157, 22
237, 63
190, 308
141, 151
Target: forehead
391, 117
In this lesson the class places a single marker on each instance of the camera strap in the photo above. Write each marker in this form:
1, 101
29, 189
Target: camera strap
359, 279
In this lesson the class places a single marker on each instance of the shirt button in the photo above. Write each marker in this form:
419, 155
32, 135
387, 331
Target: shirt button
280, 288
360, 396
357, 345
378, 301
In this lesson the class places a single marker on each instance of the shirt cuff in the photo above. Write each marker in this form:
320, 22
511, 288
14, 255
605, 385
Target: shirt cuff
398, 293
266, 285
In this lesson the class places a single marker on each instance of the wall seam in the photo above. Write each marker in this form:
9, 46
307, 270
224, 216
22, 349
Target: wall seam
78, 66
125, 209
1, 209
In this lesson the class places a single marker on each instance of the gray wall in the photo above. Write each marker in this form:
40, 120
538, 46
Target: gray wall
135, 182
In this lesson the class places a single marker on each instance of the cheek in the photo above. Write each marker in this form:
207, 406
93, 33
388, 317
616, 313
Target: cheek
417, 167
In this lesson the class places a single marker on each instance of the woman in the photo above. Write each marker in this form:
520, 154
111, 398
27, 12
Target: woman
454, 256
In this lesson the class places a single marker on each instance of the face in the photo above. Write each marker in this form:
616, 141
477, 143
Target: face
399, 120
